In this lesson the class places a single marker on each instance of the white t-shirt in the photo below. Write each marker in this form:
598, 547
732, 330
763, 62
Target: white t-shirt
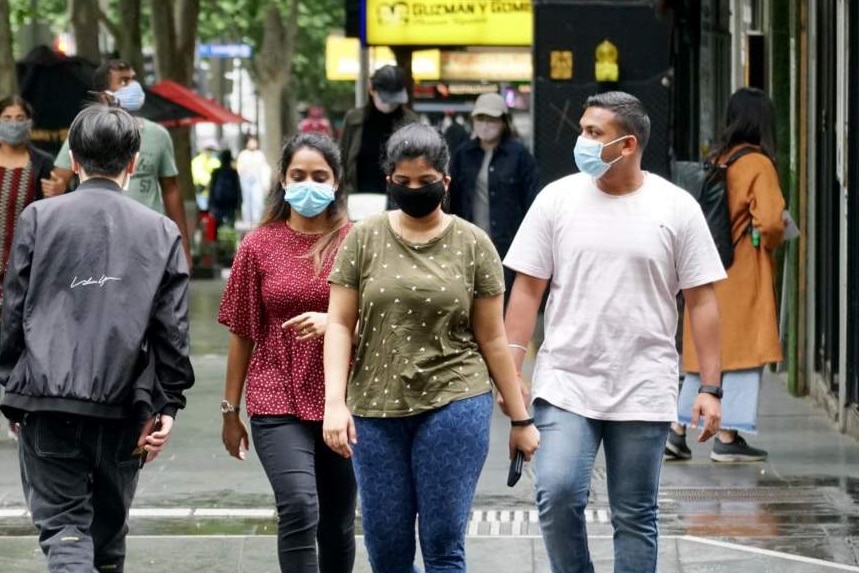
616, 264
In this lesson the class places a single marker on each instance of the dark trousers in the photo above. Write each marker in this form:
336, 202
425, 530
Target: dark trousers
79, 480
314, 489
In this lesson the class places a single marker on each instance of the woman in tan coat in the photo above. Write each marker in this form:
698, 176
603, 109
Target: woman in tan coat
747, 301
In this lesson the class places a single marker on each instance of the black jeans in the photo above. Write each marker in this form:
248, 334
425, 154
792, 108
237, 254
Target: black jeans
314, 489
79, 480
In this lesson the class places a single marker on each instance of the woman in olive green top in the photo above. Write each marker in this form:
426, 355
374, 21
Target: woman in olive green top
425, 289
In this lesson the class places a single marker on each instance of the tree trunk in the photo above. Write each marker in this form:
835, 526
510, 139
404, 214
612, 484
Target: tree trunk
85, 18
272, 65
271, 93
291, 119
8, 77
174, 30
187, 12
164, 37
128, 36
130, 41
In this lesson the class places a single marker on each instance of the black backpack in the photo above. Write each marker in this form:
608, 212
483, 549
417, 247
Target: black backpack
708, 184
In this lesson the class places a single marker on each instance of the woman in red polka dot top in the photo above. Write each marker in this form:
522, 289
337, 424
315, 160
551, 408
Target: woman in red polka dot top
275, 306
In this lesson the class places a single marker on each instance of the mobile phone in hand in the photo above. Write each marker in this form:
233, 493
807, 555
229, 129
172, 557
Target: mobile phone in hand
515, 471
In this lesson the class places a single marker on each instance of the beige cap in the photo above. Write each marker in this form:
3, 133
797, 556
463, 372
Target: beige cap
489, 104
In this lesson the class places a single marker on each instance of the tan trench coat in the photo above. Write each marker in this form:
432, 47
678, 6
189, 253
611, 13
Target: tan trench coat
747, 301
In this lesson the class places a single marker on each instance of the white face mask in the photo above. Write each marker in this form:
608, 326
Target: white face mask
383, 106
488, 131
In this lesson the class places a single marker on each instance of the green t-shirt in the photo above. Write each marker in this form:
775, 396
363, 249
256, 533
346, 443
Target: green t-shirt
156, 160
416, 350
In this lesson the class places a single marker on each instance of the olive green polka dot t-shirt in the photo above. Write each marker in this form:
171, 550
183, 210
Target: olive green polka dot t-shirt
416, 350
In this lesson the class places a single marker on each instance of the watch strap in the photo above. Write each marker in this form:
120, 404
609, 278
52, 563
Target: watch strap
711, 389
228, 408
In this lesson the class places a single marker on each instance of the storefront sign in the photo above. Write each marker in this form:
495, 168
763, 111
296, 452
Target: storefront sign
486, 66
447, 22
342, 61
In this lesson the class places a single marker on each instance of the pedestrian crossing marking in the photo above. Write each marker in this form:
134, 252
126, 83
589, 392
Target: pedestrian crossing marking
483, 522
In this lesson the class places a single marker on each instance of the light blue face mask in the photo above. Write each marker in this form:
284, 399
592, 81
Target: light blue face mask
588, 156
308, 198
131, 96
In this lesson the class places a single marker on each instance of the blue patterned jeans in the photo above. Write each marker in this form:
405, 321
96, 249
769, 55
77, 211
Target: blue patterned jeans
424, 465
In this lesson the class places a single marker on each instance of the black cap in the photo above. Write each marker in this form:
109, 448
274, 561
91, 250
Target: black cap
389, 82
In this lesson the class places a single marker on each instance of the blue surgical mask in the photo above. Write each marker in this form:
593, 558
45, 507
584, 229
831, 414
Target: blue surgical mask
309, 199
588, 156
130, 97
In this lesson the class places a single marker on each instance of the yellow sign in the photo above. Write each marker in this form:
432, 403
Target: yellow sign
342, 60
561, 65
449, 22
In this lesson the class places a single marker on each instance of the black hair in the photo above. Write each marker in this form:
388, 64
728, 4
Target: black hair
101, 77
413, 141
629, 113
750, 118
226, 158
278, 210
104, 139
19, 101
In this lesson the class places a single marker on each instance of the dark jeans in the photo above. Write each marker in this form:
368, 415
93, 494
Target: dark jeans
314, 489
79, 480
425, 465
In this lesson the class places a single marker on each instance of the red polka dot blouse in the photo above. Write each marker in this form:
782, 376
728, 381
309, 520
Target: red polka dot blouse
270, 282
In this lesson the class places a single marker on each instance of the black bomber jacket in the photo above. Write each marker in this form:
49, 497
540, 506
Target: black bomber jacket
95, 308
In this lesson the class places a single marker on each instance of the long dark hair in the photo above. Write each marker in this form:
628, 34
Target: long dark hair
278, 210
19, 101
750, 119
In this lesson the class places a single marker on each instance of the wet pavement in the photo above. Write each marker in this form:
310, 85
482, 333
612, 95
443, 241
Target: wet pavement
197, 509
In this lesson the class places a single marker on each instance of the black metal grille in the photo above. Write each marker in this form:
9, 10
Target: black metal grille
578, 27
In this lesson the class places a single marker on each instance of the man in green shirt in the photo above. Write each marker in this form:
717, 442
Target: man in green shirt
154, 182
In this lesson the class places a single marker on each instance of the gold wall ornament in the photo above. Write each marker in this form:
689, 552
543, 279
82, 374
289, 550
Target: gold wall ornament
606, 67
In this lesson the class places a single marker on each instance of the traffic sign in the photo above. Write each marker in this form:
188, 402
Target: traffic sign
224, 50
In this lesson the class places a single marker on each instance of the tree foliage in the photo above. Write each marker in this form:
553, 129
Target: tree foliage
242, 21
8, 79
54, 13
228, 21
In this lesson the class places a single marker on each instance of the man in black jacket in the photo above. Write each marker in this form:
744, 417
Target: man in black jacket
93, 346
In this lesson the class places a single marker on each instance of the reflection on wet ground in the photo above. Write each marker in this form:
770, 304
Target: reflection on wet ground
207, 336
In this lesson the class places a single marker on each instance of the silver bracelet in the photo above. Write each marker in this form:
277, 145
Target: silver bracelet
519, 346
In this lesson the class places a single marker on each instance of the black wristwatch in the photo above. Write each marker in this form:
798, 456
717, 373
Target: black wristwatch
711, 390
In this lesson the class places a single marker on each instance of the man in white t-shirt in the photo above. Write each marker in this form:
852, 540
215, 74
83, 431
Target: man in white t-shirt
614, 244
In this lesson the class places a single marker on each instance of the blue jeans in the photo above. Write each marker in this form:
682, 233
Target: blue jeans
564, 464
424, 465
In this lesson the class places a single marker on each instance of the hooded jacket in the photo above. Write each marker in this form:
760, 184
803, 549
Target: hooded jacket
95, 310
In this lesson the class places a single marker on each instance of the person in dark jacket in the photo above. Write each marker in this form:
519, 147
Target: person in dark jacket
22, 169
366, 131
93, 346
225, 191
493, 177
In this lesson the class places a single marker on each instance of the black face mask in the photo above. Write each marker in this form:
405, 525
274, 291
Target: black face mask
418, 202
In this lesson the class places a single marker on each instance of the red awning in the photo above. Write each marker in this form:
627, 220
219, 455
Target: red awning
208, 111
